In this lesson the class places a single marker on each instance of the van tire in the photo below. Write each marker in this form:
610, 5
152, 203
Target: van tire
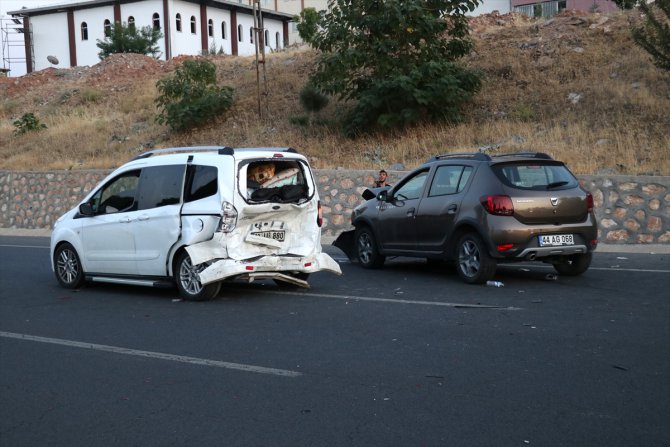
67, 267
187, 278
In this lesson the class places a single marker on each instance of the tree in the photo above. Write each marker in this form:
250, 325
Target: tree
308, 23
124, 38
395, 60
190, 96
654, 35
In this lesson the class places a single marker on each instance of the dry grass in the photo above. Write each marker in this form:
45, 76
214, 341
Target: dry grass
575, 87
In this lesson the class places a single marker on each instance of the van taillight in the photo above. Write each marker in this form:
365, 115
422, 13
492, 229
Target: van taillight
319, 215
589, 202
498, 205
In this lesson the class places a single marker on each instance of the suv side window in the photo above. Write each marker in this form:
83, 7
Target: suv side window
449, 179
160, 186
118, 195
412, 188
204, 182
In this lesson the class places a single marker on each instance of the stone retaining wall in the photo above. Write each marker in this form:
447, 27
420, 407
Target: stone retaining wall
630, 210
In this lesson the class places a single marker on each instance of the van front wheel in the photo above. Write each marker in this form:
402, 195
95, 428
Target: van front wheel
187, 277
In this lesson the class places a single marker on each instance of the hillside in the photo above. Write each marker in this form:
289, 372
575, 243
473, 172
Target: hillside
574, 86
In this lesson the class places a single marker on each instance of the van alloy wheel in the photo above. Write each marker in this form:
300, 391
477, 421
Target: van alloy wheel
188, 280
67, 265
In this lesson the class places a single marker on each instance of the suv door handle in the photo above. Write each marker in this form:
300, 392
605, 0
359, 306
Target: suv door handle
451, 209
143, 217
410, 212
125, 219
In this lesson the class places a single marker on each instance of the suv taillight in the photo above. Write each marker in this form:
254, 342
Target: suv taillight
589, 202
498, 205
228, 217
319, 215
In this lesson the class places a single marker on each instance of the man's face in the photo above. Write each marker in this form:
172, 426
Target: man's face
382, 176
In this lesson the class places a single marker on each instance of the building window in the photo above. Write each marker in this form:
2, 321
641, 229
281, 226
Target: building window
210, 28
223, 30
107, 26
179, 22
156, 21
192, 24
239, 33
131, 22
277, 39
84, 31
266, 42
251, 34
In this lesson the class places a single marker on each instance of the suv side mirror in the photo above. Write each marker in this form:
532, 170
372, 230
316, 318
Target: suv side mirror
383, 195
85, 209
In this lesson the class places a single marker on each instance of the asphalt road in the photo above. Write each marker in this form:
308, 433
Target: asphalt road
404, 356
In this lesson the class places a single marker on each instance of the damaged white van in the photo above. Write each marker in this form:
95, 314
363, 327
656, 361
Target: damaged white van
194, 217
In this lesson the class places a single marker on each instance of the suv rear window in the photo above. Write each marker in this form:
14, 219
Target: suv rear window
535, 176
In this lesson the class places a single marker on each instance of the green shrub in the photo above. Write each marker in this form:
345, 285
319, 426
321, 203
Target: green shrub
28, 123
190, 97
312, 99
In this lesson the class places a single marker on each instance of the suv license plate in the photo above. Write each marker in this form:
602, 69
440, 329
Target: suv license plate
274, 235
555, 240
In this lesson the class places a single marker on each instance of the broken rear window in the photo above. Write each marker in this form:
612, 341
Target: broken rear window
281, 181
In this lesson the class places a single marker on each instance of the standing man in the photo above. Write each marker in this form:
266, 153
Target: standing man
381, 181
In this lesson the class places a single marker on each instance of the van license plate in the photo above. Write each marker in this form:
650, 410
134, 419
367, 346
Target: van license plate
274, 235
557, 240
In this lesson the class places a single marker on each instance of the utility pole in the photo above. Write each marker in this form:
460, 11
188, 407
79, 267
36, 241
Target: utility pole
259, 32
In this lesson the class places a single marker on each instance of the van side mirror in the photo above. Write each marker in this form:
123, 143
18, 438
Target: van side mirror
85, 209
383, 195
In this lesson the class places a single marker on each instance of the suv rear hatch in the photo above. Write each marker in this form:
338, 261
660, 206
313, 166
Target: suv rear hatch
543, 192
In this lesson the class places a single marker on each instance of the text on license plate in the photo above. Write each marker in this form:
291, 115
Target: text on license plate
556, 239
274, 235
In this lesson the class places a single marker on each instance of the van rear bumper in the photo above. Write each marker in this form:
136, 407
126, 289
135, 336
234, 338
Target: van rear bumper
267, 267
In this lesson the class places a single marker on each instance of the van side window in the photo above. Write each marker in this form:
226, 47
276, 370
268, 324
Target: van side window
160, 186
118, 195
203, 183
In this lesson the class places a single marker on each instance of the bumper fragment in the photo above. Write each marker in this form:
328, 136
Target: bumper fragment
269, 267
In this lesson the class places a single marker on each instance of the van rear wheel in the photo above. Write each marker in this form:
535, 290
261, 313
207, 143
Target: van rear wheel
187, 277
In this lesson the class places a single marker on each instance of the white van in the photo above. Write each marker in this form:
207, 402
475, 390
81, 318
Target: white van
195, 217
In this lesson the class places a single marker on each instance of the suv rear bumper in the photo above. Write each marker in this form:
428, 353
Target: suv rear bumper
269, 267
543, 252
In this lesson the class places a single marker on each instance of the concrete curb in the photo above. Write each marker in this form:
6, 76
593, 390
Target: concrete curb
328, 240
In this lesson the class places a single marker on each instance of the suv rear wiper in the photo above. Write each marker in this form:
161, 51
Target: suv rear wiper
556, 184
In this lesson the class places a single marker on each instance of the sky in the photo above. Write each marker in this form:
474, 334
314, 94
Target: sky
13, 51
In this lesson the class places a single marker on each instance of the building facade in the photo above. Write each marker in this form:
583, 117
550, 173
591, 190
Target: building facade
68, 34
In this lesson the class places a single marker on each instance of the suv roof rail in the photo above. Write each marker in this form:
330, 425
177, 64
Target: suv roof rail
221, 150
541, 155
472, 155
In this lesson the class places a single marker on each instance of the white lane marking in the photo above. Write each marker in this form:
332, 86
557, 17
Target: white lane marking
153, 355
23, 246
612, 269
387, 300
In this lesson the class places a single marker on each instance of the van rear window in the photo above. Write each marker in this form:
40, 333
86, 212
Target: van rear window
535, 176
275, 181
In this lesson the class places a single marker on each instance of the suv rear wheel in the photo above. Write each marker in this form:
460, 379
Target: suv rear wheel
475, 266
187, 277
366, 249
574, 265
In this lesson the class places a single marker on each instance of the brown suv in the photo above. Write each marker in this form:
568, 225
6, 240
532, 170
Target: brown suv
478, 210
